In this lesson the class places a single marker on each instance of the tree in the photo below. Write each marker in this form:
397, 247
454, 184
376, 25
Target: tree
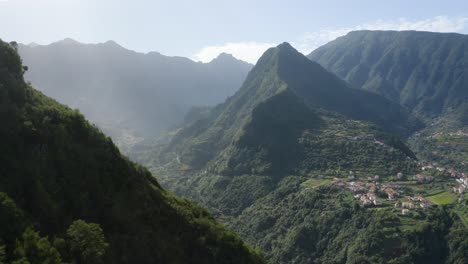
87, 242
2, 253
34, 249
14, 45
11, 219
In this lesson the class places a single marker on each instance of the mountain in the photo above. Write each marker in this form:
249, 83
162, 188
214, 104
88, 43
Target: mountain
67, 195
290, 161
130, 95
423, 71
284, 98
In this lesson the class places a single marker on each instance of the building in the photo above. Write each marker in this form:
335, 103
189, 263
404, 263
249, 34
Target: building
422, 178
399, 176
424, 204
408, 205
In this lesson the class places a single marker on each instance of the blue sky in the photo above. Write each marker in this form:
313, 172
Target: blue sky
201, 29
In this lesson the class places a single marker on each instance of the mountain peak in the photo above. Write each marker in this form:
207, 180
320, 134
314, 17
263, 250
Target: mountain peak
111, 43
283, 50
32, 44
224, 57
285, 46
228, 59
284, 58
68, 41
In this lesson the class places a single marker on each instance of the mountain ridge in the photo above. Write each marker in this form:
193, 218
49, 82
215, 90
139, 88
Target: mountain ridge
423, 71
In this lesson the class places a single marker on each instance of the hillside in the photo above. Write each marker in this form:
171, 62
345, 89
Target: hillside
300, 164
56, 168
423, 71
130, 95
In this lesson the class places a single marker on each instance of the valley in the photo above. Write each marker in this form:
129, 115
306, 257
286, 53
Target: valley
354, 153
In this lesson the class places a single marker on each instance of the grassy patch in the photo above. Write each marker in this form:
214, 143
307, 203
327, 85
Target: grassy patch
443, 198
315, 182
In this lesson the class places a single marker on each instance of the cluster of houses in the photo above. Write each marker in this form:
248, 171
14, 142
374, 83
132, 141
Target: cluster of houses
461, 178
416, 202
366, 192
462, 185
459, 133
368, 199
433, 167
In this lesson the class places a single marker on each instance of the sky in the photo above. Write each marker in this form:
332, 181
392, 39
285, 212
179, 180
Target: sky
201, 29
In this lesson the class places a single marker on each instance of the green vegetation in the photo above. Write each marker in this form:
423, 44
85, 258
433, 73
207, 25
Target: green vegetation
87, 242
299, 219
315, 182
423, 71
449, 151
56, 168
25, 245
443, 198
325, 226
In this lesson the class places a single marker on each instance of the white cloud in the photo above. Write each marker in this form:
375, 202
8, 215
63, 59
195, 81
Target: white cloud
251, 51
246, 51
312, 40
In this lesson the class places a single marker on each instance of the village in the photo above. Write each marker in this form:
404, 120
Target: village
375, 192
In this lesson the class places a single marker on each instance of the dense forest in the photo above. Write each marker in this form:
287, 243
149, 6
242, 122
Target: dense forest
67, 195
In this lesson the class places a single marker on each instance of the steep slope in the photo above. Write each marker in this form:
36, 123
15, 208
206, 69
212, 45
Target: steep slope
285, 164
57, 168
130, 95
423, 71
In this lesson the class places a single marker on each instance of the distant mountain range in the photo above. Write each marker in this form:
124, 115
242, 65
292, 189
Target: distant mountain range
130, 95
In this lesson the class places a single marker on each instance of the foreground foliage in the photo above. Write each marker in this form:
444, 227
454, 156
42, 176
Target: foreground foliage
58, 168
